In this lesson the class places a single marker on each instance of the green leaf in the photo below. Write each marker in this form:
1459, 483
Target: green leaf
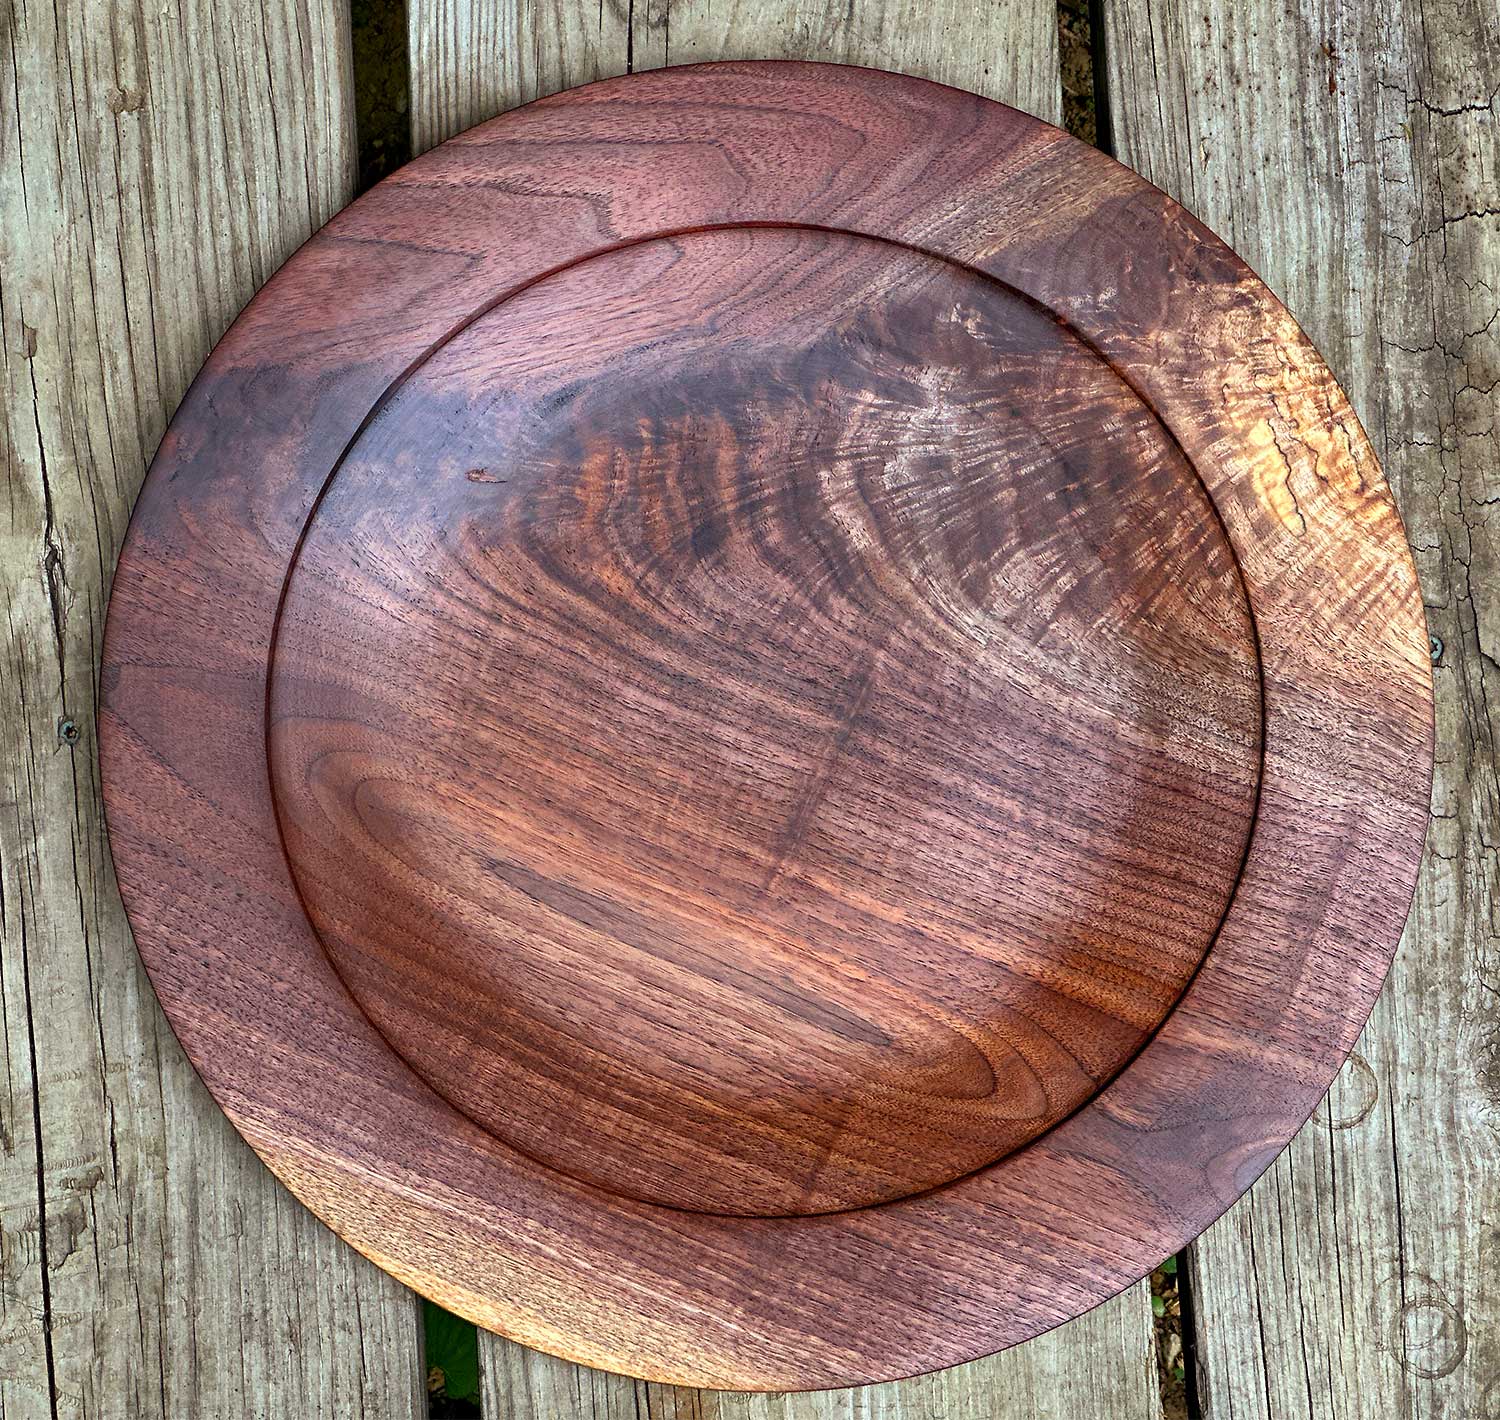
1169, 1267
1158, 1307
453, 1347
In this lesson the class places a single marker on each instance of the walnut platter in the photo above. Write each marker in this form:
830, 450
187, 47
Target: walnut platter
766, 725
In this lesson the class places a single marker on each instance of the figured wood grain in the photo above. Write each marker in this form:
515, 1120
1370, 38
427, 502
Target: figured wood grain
705, 689
156, 166
1352, 154
349, 335
474, 59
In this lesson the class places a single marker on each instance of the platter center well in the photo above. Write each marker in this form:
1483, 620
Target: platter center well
765, 721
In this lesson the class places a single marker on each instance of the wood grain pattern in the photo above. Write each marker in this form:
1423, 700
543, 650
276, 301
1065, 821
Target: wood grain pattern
471, 61
1050, 1377
156, 166
1352, 154
347, 331
794, 742
1005, 49
474, 59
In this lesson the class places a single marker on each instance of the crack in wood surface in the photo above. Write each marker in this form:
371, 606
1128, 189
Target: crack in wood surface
1351, 154
105, 232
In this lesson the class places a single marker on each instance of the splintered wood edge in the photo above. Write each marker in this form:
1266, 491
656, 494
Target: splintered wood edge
762, 1303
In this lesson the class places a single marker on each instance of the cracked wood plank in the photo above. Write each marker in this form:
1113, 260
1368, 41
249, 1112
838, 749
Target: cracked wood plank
158, 164
1351, 153
471, 61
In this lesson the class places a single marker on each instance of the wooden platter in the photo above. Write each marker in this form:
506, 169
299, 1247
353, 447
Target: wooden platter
766, 725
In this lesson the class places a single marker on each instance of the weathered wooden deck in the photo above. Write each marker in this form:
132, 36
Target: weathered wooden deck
160, 160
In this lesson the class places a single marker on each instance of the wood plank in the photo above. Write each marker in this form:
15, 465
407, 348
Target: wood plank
1351, 154
473, 60
158, 164
1101, 1365
1004, 49
470, 61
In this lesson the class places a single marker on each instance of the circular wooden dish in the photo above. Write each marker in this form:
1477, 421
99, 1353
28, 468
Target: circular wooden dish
766, 725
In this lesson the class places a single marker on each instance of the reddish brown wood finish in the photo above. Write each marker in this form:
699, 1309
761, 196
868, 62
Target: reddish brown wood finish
766, 725
767, 722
